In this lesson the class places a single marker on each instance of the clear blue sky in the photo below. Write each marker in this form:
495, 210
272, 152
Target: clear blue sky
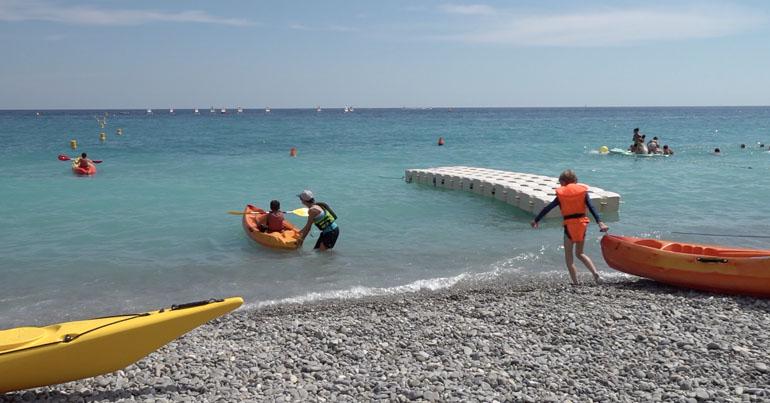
139, 54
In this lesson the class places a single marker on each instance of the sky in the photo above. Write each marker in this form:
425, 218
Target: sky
300, 54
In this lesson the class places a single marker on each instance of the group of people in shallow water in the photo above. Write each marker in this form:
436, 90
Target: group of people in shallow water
651, 147
319, 214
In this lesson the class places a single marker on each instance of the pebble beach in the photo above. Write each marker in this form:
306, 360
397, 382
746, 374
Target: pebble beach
536, 340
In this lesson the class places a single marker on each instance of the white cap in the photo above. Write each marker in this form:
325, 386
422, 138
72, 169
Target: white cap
306, 195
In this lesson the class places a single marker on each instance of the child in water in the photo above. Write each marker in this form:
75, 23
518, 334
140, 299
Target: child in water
572, 198
273, 220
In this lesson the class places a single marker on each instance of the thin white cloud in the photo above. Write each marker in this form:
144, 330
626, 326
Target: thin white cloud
329, 28
468, 9
614, 27
13, 10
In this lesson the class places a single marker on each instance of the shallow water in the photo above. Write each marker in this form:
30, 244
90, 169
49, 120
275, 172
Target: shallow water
151, 228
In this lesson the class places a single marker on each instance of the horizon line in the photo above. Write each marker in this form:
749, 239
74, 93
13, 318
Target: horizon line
234, 109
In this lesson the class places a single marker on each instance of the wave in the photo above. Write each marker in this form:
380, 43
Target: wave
507, 269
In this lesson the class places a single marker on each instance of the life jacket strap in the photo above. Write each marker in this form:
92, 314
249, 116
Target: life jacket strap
571, 216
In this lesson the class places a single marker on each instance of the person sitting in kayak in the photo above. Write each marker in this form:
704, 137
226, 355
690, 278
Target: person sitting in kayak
572, 198
323, 217
273, 220
84, 162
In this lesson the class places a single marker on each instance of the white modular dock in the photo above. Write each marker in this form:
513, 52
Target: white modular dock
526, 191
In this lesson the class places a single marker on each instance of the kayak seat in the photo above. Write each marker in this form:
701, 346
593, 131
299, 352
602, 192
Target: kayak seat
652, 243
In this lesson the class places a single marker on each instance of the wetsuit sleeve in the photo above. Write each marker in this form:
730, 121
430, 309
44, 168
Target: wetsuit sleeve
547, 209
591, 209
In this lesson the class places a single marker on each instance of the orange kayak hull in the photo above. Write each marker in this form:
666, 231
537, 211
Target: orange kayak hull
702, 267
77, 170
287, 239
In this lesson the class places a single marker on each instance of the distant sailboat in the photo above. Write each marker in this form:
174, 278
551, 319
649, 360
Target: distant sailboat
240, 110
223, 110
171, 110
318, 109
346, 110
149, 111
196, 111
212, 110
350, 109
267, 110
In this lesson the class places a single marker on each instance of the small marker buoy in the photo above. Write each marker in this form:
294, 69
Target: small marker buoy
293, 152
604, 150
74, 144
441, 141
102, 136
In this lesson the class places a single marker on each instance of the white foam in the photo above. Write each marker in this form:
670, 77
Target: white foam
506, 267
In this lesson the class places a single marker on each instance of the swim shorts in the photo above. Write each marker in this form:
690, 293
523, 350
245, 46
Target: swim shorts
328, 238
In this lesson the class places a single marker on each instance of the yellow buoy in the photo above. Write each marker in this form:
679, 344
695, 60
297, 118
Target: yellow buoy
604, 149
74, 144
102, 136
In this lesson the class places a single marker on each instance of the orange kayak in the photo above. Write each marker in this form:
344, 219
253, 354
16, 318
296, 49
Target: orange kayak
286, 239
703, 267
77, 170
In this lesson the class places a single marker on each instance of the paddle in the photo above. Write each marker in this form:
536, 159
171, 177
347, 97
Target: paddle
302, 212
63, 157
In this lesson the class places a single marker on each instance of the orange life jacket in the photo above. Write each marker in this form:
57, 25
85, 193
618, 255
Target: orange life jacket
572, 203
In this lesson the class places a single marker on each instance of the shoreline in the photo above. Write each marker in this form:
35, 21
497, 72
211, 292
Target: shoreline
537, 340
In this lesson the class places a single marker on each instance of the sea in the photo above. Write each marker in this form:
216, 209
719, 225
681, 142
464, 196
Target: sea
151, 228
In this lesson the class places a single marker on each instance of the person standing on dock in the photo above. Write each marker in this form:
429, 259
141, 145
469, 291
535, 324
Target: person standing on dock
320, 214
572, 198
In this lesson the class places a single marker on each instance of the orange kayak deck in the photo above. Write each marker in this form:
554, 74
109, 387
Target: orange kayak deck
703, 267
77, 170
286, 239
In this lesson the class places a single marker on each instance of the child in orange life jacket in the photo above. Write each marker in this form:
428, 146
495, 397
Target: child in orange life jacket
272, 221
572, 198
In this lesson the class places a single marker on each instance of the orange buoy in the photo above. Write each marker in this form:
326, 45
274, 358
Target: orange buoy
293, 152
441, 141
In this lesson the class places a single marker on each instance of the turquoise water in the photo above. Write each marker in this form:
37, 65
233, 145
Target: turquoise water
151, 228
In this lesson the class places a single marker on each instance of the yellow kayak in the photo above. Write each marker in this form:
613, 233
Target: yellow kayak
39, 356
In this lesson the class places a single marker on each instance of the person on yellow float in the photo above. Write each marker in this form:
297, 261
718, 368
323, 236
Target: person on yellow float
572, 199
